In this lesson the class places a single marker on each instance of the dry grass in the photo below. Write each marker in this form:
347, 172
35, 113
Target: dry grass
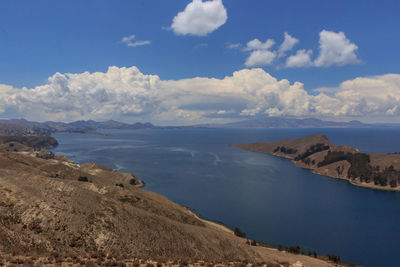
66, 222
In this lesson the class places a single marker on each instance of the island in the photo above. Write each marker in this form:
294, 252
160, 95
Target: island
317, 153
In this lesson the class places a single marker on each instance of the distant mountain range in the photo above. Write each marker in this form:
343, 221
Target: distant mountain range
281, 122
22, 127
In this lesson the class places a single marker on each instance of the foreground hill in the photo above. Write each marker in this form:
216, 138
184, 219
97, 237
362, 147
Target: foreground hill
70, 212
315, 152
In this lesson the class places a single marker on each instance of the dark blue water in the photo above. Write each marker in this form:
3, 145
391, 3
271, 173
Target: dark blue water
267, 197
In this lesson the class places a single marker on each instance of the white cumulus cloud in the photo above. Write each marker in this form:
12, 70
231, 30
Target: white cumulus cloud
129, 41
256, 44
260, 54
302, 58
128, 94
200, 18
260, 58
288, 43
335, 49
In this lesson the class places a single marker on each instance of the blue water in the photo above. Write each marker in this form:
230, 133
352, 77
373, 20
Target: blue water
267, 197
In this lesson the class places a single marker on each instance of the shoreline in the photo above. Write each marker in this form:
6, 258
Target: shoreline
313, 170
352, 182
221, 226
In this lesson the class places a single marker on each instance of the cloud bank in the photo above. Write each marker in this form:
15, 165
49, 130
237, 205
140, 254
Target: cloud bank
200, 18
128, 94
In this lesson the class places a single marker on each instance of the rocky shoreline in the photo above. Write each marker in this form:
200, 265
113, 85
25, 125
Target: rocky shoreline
318, 154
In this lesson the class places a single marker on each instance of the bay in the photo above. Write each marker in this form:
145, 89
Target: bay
268, 198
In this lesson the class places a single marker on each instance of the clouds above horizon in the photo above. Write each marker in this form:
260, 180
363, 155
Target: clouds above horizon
334, 50
128, 94
200, 18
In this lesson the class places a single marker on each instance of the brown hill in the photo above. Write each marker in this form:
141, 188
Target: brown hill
56, 206
35, 142
315, 152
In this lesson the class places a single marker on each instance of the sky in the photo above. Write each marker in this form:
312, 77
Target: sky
197, 61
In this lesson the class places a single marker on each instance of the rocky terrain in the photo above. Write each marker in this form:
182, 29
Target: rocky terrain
54, 211
316, 152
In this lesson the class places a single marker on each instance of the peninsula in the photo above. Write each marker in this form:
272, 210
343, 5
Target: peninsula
317, 153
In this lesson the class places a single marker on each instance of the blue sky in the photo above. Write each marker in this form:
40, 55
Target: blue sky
41, 38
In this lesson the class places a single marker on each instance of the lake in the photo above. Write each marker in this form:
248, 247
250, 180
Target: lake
268, 198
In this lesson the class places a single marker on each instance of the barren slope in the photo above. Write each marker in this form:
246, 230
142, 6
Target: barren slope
54, 205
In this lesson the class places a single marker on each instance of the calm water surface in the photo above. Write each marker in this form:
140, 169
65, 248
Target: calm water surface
267, 197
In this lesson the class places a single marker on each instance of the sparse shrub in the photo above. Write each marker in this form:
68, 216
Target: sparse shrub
285, 150
313, 149
293, 249
120, 185
334, 258
83, 179
133, 181
239, 233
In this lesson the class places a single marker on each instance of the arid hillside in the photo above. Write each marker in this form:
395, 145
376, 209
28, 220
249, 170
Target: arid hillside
315, 152
51, 206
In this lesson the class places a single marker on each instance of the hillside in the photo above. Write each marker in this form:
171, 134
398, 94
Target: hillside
35, 142
61, 211
315, 152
